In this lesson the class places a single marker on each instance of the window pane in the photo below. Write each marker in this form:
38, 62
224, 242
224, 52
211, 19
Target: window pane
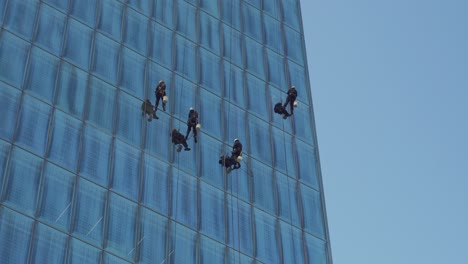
19, 227
89, 212
276, 71
312, 210
294, 45
133, 73
287, 199
252, 22
316, 249
186, 61
122, 226
153, 237
232, 46
23, 180
101, 102
57, 195
272, 7
50, 29
187, 20
95, 155
78, 43
129, 123
210, 114
162, 41
302, 123
234, 256
136, 31
291, 244
263, 186
48, 245
106, 58
158, 141
33, 125
260, 144
110, 18
291, 13
239, 231
234, 85
306, 162
209, 33
9, 100
155, 184
273, 34
211, 170
81, 252
71, 89
211, 251
210, 71
186, 94
163, 11
112, 259
184, 245
254, 56
65, 146
265, 237
13, 57
126, 170
20, 17
85, 11
43, 70
283, 152
212, 222
235, 124
184, 198
231, 13
257, 96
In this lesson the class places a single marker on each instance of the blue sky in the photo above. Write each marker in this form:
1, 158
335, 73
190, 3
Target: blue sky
390, 91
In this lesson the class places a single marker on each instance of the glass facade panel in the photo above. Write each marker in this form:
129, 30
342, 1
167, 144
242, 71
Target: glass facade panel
85, 177
22, 180
50, 29
49, 246
71, 89
106, 59
136, 31
78, 44
110, 18
21, 16
19, 227
209, 33
13, 57
10, 101
56, 198
33, 124
43, 70
65, 140
96, 149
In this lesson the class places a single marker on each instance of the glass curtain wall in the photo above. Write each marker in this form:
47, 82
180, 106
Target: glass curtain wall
85, 178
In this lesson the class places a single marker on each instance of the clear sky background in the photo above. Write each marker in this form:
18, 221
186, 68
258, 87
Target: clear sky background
390, 91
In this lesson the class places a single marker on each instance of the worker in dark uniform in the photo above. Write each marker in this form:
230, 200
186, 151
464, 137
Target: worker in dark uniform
292, 94
279, 109
160, 92
228, 162
147, 108
192, 123
179, 139
236, 149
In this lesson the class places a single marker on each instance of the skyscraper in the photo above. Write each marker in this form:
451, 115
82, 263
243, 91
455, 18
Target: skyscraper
85, 178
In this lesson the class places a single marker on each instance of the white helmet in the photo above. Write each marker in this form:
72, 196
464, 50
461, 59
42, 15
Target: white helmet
235, 140
293, 87
191, 108
161, 81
